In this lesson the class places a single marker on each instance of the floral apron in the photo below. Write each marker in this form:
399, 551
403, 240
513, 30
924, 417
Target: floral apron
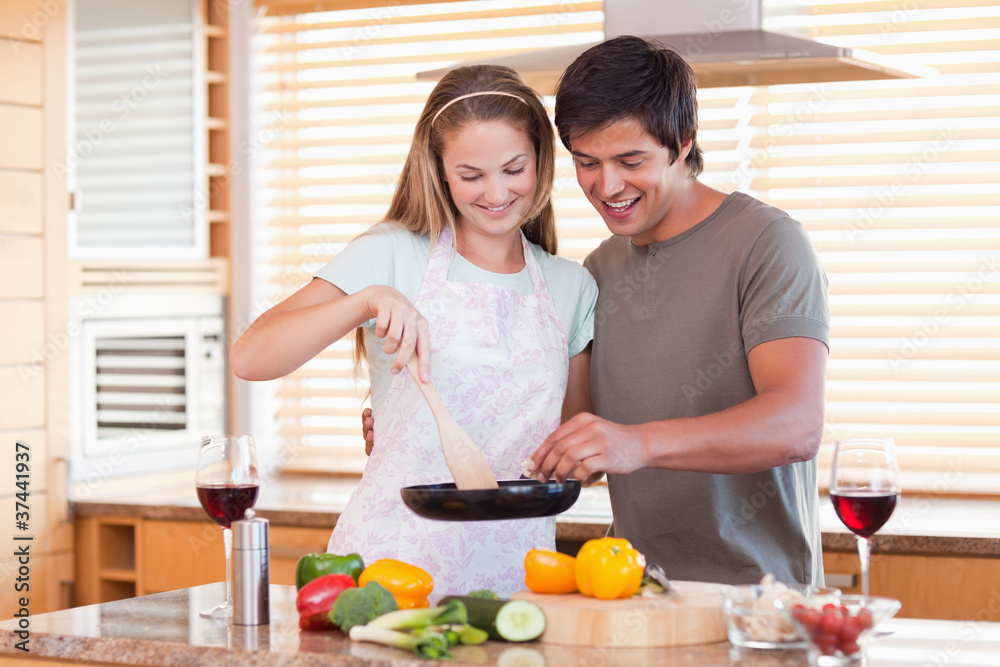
499, 361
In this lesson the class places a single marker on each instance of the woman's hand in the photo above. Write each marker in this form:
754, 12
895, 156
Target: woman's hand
402, 326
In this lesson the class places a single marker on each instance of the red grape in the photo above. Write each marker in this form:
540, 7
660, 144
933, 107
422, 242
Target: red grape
832, 628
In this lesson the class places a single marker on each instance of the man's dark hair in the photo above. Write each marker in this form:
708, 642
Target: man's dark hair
628, 77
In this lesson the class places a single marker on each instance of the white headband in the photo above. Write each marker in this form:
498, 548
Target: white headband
482, 92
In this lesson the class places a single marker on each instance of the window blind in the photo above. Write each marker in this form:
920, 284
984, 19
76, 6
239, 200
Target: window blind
896, 182
136, 156
338, 102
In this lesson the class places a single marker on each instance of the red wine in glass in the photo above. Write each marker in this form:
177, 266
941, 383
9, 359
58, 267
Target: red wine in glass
864, 513
227, 502
864, 485
227, 483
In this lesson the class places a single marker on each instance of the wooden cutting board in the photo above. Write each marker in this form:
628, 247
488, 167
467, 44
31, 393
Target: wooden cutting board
694, 616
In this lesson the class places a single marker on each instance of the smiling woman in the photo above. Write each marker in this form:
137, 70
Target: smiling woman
490, 171
896, 182
458, 279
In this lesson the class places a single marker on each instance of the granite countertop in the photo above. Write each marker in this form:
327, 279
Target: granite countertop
920, 525
165, 629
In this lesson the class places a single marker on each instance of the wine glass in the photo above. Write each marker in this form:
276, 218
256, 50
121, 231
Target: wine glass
227, 484
863, 489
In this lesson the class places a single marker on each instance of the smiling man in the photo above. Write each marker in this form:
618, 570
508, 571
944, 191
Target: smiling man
711, 337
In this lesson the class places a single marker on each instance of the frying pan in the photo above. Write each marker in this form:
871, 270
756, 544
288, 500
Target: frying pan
515, 499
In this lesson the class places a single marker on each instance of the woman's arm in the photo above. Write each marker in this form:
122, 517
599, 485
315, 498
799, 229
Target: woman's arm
303, 325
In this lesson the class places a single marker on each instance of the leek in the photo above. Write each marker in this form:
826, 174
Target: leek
431, 645
452, 613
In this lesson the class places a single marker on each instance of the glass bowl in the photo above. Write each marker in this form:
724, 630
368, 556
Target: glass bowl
753, 620
837, 627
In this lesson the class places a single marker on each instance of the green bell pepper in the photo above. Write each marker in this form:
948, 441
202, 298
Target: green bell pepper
315, 565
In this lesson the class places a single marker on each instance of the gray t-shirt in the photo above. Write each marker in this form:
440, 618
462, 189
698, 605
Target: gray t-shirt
673, 325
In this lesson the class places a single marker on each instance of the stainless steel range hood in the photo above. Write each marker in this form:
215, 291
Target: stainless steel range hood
724, 43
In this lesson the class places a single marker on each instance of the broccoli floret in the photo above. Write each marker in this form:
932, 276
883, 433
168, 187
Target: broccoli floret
358, 606
484, 595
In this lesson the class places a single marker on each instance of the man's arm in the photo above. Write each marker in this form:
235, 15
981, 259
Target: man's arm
578, 386
782, 424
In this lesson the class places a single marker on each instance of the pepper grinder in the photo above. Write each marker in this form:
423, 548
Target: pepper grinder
251, 600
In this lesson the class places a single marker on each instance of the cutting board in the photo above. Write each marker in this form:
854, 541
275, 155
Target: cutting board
694, 616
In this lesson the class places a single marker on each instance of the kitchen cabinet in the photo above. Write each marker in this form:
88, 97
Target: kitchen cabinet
929, 586
122, 557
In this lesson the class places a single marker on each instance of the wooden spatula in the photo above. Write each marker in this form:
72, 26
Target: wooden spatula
463, 456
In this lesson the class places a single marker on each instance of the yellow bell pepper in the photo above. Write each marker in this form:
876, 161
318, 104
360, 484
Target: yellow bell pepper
608, 568
549, 572
409, 584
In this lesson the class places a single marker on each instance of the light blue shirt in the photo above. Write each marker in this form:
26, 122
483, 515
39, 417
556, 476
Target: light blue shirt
389, 255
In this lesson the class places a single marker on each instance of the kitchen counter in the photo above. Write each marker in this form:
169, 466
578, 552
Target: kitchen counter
920, 525
165, 629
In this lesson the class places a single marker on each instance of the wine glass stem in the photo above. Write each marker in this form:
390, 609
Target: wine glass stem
227, 540
865, 553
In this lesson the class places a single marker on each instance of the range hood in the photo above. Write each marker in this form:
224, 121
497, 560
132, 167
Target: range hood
724, 43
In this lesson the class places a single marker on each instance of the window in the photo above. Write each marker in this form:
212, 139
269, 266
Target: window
896, 181
139, 148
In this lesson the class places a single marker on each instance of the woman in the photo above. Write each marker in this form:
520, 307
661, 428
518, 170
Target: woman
460, 272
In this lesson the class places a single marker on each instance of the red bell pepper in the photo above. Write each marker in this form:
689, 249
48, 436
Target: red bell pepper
316, 598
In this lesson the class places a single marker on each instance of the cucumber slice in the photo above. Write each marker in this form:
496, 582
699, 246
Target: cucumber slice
520, 621
509, 620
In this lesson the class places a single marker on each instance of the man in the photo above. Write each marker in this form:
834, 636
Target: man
710, 343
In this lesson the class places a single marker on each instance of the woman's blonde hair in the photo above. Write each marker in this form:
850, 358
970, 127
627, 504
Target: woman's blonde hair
422, 202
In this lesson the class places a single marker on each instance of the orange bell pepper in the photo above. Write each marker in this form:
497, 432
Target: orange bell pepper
549, 572
608, 568
409, 584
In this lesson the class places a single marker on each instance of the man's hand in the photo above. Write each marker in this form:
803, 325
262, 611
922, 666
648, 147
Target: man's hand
587, 446
368, 430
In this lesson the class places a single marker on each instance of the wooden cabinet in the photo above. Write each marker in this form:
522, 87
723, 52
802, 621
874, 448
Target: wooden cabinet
939, 587
121, 557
